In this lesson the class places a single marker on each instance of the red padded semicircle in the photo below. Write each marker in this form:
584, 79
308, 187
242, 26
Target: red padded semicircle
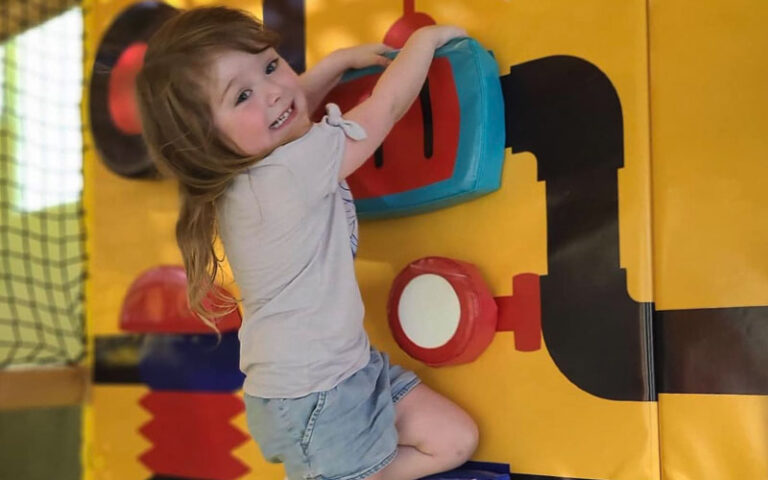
399, 32
122, 89
157, 302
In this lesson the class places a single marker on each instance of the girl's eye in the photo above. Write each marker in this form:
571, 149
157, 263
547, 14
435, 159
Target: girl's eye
243, 97
271, 66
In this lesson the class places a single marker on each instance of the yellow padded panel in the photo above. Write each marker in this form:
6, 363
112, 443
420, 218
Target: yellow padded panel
530, 415
116, 441
708, 104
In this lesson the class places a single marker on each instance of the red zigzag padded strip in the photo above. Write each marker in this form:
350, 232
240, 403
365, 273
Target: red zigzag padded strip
192, 435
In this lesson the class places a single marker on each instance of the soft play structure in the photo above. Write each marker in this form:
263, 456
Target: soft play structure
566, 234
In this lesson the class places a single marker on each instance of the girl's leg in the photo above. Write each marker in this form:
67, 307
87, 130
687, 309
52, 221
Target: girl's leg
434, 435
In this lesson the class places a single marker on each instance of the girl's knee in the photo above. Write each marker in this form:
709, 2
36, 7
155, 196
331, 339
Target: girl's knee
459, 446
437, 427
468, 440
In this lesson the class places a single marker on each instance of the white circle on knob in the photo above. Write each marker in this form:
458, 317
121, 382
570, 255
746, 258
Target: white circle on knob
429, 310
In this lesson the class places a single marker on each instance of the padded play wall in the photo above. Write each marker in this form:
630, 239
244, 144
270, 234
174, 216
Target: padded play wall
625, 250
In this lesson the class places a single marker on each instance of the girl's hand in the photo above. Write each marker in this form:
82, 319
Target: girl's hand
441, 34
364, 55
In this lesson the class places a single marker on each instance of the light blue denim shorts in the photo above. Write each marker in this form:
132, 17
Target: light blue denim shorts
345, 433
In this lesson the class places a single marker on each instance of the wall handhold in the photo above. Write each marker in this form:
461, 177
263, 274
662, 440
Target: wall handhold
442, 313
448, 148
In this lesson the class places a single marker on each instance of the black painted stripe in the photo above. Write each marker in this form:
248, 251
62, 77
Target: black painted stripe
116, 358
716, 350
287, 18
428, 125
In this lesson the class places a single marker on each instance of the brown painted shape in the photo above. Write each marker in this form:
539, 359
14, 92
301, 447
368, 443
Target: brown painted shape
43, 387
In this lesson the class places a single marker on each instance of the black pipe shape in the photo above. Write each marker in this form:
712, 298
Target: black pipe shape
567, 113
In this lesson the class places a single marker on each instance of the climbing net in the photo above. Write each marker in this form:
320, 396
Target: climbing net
42, 263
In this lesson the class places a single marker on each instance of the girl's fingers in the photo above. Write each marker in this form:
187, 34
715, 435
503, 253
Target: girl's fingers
382, 48
369, 54
374, 59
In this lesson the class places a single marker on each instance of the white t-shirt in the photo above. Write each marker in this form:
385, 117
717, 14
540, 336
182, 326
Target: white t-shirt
286, 234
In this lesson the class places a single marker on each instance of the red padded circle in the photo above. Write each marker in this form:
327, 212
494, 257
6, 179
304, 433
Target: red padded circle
477, 323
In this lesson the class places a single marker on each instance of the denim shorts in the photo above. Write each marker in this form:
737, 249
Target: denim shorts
345, 433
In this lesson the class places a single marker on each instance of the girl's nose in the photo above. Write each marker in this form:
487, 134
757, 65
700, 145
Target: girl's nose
273, 93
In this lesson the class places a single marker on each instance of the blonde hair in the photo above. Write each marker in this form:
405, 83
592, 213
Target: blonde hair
177, 121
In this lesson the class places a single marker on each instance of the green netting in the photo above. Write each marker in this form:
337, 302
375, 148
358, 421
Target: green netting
42, 264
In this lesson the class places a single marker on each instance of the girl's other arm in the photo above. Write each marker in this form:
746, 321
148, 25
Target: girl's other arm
320, 79
394, 93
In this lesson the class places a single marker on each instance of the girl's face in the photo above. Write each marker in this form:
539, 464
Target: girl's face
257, 101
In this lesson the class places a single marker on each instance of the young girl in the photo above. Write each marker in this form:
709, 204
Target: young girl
231, 121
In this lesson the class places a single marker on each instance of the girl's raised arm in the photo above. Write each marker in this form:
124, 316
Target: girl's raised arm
394, 93
320, 79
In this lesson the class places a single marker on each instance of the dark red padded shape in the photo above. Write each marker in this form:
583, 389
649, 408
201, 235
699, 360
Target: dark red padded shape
157, 302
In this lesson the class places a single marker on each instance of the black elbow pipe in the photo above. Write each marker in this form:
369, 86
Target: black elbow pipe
567, 113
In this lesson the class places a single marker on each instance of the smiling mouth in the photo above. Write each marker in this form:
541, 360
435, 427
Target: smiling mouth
282, 118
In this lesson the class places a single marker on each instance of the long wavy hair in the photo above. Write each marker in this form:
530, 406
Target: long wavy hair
173, 97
